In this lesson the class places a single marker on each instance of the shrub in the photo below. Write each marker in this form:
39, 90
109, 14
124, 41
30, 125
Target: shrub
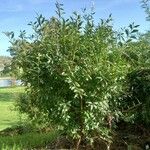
137, 98
74, 72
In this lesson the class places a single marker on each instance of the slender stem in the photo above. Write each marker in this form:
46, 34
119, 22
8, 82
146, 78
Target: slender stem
81, 124
78, 144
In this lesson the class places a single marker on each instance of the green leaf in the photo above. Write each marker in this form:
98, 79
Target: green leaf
133, 37
130, 26
134, 31
120, 44
129, 40
136, 26
127, 32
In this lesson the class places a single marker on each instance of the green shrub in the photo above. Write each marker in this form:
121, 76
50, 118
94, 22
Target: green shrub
74, 72
27, 107
137, 97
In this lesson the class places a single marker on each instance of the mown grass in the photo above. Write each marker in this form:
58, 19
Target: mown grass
9, 117
27, 141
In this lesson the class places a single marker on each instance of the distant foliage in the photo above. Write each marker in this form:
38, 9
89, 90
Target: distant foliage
5, 63
146, 6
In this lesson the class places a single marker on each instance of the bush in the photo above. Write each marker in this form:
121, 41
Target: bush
27, 107
137, 97
74, 72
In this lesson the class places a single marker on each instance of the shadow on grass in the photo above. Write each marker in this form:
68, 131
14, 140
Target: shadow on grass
8, 97
8, 94
28, 140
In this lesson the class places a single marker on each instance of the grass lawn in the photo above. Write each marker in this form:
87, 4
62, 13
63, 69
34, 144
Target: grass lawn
8, 116
26, 141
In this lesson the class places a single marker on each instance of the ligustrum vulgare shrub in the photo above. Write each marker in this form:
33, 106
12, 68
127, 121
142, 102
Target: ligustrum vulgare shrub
74, 71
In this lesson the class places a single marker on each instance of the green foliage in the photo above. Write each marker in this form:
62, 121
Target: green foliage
74, 72
136, 101
136, 98
140, 92
145, 5
127, 34
138, 53
25, 106
5, 66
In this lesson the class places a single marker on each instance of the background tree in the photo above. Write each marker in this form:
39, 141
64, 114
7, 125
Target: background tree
4, 65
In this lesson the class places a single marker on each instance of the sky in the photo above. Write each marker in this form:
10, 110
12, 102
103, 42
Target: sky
16, 14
